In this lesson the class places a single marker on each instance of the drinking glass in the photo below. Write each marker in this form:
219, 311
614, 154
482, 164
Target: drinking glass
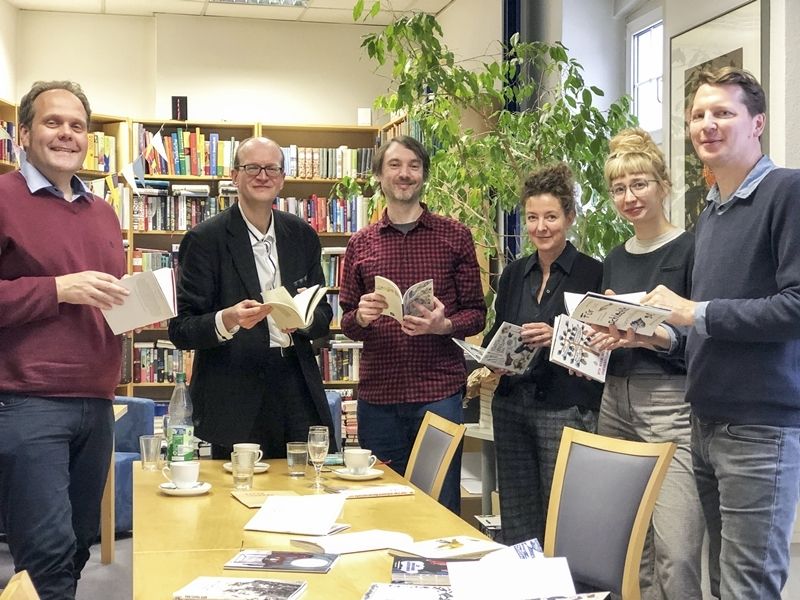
317, 451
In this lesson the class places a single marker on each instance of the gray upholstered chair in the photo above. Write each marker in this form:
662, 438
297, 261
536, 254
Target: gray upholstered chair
602, 498
434, 447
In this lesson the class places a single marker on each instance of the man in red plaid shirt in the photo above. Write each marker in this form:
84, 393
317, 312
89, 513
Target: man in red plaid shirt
410, 368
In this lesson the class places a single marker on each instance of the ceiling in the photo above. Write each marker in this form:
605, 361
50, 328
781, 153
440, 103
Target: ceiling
317, 11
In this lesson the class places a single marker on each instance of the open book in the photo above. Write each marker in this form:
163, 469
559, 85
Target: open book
306, 515
358, 541
621, 310
297, 312
506, 350
404, 304
570, 348
152, 299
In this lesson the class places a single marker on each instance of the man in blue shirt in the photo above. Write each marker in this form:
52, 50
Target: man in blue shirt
743, 347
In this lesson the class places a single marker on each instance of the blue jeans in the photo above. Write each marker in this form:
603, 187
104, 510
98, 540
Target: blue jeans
54, 457
389, 430
748, 477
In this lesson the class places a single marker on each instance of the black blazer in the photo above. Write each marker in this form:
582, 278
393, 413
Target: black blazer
554, 385
217, 270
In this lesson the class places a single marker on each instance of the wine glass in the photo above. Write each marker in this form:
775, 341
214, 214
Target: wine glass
317, 450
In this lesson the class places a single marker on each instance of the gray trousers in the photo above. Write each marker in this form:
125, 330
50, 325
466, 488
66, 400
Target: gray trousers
651, 408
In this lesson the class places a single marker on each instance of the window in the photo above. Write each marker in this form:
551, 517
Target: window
646, 39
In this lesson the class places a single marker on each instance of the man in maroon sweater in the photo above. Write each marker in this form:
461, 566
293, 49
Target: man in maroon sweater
61, 256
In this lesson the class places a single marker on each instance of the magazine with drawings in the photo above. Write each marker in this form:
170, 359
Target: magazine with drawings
570, 348
622, 310
506, 351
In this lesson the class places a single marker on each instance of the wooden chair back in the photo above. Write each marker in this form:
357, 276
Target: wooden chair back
434, 448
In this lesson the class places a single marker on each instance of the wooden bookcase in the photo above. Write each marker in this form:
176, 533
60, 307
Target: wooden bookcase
8, 113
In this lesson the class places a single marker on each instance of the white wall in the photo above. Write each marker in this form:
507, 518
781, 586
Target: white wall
473, 28
8, 43
230, 69
112, 57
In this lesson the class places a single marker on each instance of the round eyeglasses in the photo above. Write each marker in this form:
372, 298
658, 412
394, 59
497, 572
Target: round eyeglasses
255, 170
637, 188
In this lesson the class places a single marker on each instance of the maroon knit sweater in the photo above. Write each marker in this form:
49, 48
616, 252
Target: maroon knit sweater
47, 348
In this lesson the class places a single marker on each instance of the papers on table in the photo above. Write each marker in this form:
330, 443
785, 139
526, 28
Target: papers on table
152, 299
359, 541
306, 515
510, 578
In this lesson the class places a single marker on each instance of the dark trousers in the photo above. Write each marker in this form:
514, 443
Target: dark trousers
54, 458
287, 410
389, 431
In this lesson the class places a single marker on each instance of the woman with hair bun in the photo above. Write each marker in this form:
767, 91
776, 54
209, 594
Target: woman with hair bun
643, 398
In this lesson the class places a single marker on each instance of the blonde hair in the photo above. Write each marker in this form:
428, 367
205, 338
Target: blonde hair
634, 151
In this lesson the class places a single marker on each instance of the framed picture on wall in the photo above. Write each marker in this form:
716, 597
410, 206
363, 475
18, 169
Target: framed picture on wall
738, 38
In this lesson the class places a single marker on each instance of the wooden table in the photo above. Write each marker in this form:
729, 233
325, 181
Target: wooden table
176, 539
107, 513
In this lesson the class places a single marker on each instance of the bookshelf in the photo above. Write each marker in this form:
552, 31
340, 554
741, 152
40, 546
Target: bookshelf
9, 122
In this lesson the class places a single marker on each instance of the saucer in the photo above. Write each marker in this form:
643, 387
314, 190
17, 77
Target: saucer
260, 467
370, 474
199, 489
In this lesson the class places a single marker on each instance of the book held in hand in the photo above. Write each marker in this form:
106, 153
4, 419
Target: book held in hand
506, 351
152, 299
570, 348
293, 312
401, 305
281, 560
622, 311
240, 588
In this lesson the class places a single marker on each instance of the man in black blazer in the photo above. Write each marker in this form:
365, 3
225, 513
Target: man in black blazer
251, 382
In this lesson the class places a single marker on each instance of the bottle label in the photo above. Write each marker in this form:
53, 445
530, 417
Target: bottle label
181, 443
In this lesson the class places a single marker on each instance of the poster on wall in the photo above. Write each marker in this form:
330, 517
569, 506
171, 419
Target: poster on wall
731, 39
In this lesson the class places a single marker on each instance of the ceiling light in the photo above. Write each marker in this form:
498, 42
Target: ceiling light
301, 3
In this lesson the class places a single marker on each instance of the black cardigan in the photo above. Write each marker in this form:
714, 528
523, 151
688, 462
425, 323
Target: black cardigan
554, 385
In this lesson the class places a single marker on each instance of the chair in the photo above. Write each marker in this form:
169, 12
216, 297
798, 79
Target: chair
137, 421
20, 587
601, 501
434, 447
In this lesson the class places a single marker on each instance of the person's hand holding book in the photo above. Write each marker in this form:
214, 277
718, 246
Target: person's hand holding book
429, 321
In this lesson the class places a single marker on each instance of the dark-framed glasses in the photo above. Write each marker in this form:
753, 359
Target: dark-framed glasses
253, 170
637, 188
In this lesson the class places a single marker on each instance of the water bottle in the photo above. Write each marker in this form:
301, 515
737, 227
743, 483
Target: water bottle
180, 431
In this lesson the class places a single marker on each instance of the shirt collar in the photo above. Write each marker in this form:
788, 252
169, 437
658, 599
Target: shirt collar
750, 183
564, 261
37, 182
425, 219
255, 234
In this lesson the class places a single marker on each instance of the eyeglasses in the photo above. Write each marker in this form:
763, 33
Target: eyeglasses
637, 188
255, 170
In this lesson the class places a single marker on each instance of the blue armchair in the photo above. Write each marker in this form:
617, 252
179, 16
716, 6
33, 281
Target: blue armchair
137, 421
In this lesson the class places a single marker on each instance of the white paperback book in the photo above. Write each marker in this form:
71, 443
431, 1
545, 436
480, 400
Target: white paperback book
511, 579
506, 351
622, 310
571, 349
293, 312
305, 515
404, 304
151, 299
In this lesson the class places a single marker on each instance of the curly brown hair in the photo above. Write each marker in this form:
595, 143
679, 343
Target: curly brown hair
556, 180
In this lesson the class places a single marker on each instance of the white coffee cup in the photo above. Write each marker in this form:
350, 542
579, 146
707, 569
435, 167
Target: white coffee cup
358, 460
183, 474
243, 447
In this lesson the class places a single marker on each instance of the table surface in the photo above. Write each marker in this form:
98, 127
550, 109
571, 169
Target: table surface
176, 539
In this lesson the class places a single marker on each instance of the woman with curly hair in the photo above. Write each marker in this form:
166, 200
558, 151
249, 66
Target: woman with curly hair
529, 411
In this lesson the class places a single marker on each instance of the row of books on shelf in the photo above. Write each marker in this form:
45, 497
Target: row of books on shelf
400, 127
326, 163
159, 361
335, 215
157, 210
188, 152
101, 152
341, 361
332, 264
118, 195
150, 259
6, 145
